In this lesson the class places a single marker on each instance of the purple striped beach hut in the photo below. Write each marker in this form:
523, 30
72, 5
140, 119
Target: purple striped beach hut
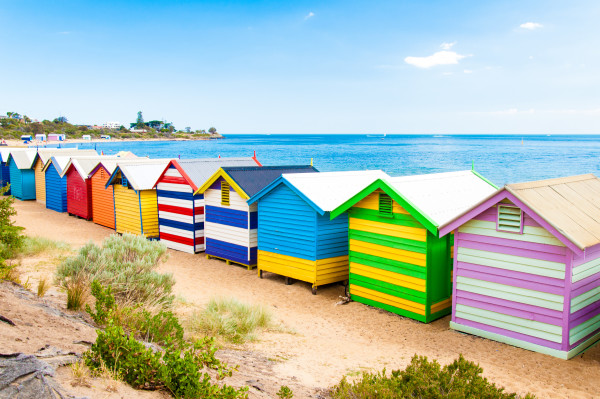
527, 266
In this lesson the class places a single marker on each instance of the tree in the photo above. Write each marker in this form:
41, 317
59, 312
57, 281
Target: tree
9, 114
188, 129
139, 123
212, 130
61, 119
37, 128
26, 119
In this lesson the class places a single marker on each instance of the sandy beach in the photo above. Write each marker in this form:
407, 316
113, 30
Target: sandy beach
326, 341
19, 143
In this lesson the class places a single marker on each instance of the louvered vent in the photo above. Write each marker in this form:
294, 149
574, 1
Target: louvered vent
224, 193
385, 205
510, 218
123, 181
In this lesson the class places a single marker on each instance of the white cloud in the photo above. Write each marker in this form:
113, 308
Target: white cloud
531, 25
447, 46
309, 15
468, 71
439, 58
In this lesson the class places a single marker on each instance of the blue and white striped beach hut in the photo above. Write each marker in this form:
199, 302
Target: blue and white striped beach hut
230, 227
180, 211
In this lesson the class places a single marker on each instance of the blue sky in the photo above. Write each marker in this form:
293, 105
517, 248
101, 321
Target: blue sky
307, 67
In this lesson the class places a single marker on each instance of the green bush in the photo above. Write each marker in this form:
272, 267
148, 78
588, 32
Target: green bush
10, 235
424, 379
181, 372
127, 265
161, 328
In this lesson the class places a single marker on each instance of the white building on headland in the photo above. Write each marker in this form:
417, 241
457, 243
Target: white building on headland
112, 125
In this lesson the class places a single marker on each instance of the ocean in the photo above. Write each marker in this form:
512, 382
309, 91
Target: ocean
501, 158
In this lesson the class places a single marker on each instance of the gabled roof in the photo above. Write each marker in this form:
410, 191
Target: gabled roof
23, 159
197, 171
44, 154
85, 165
111, 164
324, 192
59, 163
5, 152
249, 180
141, 176
568, 207
433, 199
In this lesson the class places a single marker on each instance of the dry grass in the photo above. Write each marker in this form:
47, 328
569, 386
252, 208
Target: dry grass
81, 374
78, 292
43, 286
33, 246
230, 320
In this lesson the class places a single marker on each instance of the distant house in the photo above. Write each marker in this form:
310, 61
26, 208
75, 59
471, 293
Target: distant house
86, 137
112, 125
3, 117
138, 130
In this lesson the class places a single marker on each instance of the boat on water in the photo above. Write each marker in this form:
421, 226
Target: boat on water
380, 136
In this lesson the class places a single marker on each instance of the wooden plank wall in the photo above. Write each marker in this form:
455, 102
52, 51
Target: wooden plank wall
149, 213
103, 209
389, 262
508, 285
79, 201
40, 182
56, 190
180, 213
230, 230
127, 210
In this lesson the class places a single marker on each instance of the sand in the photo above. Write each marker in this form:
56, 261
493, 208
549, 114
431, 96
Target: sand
19, 143
329, 340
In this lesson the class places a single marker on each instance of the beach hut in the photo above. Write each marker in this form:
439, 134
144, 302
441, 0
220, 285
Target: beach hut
56, 183
180, 210
40, 137
22, 177
86, 137
103, 207
230, 224
134, 196
527, 266
398, 261
79, 185
56, 137
42, 158
296, 237
26, 138
4, 169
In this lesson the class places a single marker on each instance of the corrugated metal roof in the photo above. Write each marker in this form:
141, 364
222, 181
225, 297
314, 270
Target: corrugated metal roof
46, 153
200, 170
252, 179
442, 196
143, 176
23, 159
329, 190
571, 205
85, 165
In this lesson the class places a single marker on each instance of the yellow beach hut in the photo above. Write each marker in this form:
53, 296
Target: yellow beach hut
134, 197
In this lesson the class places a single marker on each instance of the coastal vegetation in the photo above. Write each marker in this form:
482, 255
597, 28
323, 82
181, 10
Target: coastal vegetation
13, 125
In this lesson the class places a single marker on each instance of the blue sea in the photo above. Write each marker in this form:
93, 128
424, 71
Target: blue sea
501, 158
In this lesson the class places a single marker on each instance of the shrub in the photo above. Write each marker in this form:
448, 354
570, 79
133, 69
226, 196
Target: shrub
285, 392
77, 292
228, 318
424, 379
10, 235
161, 328
127, 265
178, 371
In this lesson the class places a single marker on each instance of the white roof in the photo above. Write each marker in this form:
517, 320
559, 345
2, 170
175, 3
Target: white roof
443, 196
59, 163
143, 176
85, 165
23, 159
5, 152
111, 164
46, 153
328, 190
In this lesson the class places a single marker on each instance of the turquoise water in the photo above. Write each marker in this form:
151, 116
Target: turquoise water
502, 159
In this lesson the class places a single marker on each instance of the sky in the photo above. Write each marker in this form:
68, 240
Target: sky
414, 67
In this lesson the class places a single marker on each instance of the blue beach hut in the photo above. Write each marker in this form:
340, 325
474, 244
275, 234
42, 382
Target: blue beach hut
4, 170
230, 227
56, 183
296, 237
22, 176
